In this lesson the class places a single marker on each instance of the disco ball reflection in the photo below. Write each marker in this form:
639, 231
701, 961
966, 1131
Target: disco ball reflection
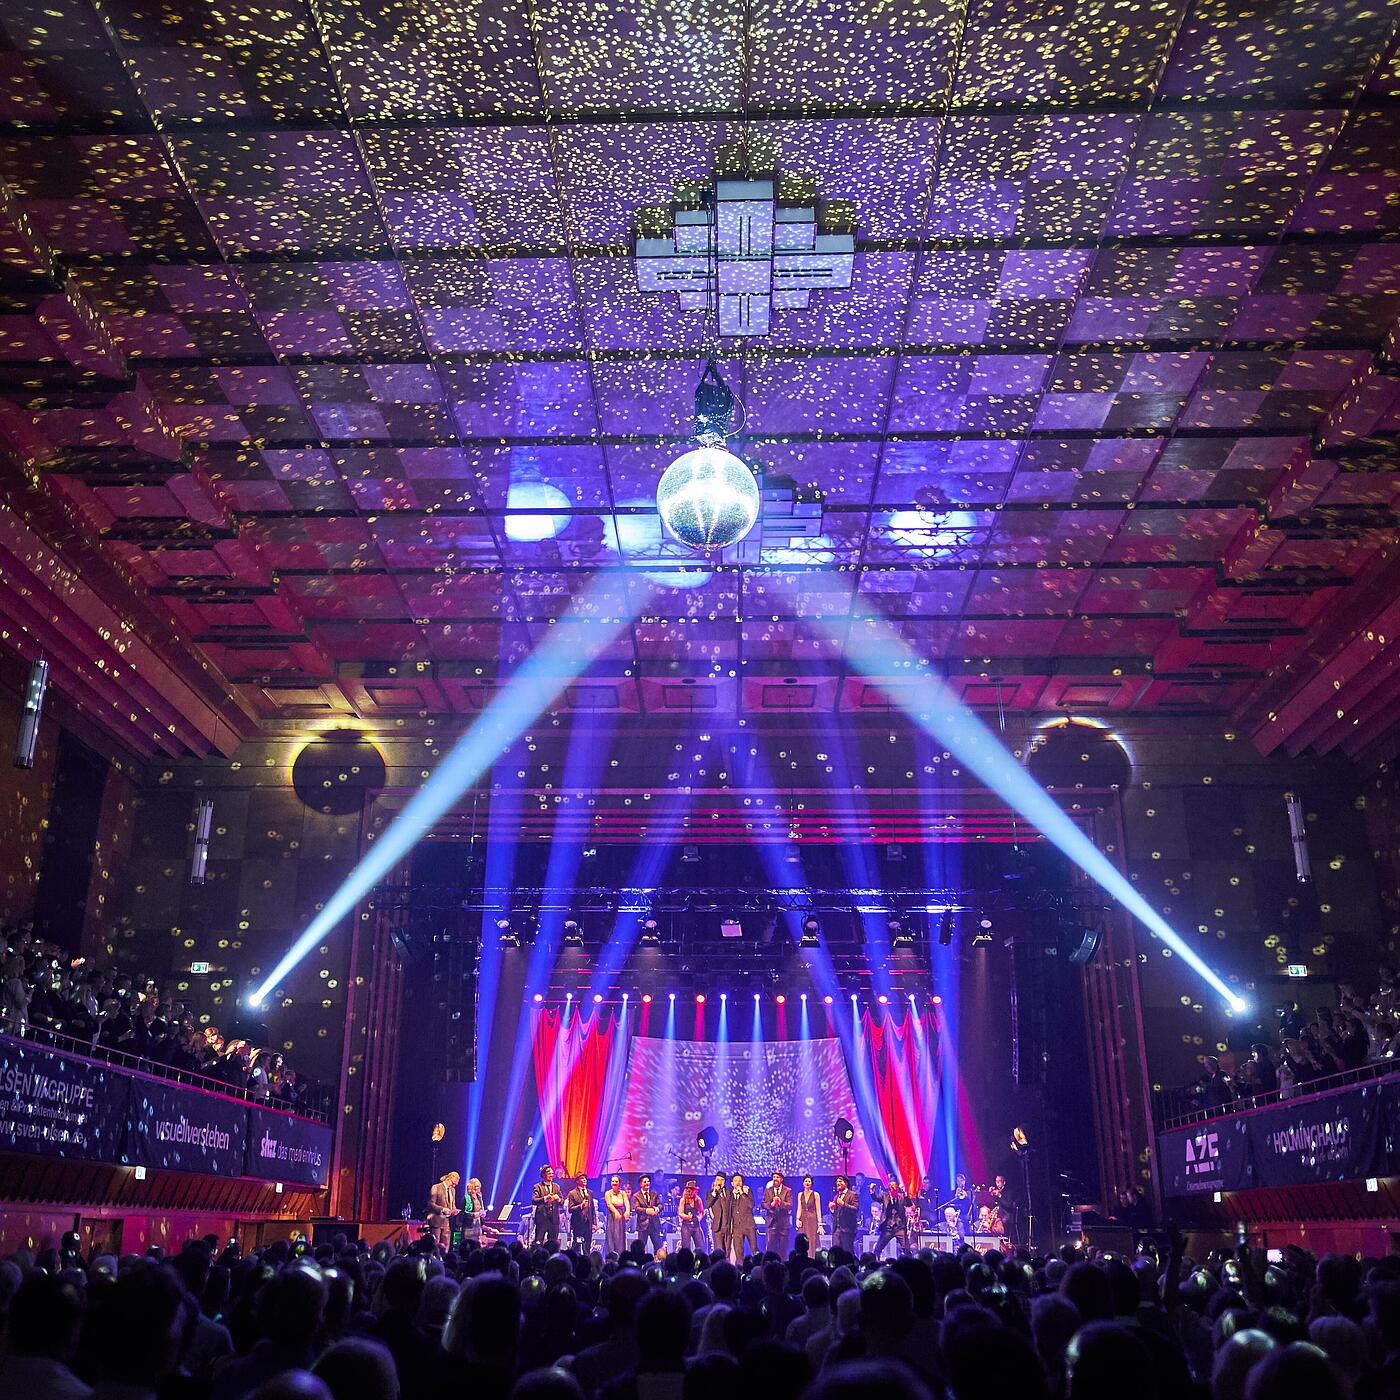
708, 498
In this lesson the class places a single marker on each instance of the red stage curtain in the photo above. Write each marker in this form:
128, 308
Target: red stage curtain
580, 1071
902, 1060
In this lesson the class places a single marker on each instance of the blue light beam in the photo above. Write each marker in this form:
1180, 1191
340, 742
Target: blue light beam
573, 643
874, 648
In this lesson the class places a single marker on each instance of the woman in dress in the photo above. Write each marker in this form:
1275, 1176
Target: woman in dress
809, 1214
618, 1206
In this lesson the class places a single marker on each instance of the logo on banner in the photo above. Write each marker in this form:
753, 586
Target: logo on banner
1202, 1155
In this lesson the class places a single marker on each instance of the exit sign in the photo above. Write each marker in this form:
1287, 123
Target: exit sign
1297, 969
204, 967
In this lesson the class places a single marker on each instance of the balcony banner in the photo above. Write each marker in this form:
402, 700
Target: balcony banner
1210, 1156
1326, 1137
283, 1148
60, 1105
1343, 1135
185, 1130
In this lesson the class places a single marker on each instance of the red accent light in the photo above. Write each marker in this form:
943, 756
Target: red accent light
539, 996
700, 998
883, 999
646, 998
938, 1001
780, 999
827, 1000
597, 997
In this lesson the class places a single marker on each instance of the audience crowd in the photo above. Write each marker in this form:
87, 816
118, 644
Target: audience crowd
344, 1322
44, 990
1303, 1049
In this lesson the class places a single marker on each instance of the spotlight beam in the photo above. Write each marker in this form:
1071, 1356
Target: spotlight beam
874, 648
572, 645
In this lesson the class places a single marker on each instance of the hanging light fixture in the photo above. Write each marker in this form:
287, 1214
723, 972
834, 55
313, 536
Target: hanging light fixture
708, 498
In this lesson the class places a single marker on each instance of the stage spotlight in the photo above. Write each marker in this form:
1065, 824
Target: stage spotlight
781, 999
828, 999
983, 935
625, 997
883, 999
707, 1139
901, 934
700, 998
945, 929
646, 998
650, 936
573, 935
673, 996
791, 854
539, 997
936, 999
1020, 1141
597, 997
894, 854
811, 927
804, 996
508, 937
568, 996
843, 1131
755, 996
690, 855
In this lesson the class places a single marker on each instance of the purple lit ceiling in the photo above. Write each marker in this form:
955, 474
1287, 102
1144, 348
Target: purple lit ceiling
291, 295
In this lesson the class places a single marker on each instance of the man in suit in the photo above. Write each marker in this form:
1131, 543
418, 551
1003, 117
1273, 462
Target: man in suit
442, 1206
548, 1203
646, 1207
777, 1206
894, 1220
717, 1203
741, 1223
583, 1213
845, 1212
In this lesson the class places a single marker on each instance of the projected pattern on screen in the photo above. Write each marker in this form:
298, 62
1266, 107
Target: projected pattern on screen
774, 1104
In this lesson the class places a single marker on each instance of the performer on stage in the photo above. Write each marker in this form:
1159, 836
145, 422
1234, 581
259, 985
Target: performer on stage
964, 1202
845, 1211
953, 1226
809, 1214
618, 1207
583, 1213
717, 1203
894, 1220
442, 1206
646, 1206
474, 1211
777, 1206
690, 1212
741, 1223
548, 1204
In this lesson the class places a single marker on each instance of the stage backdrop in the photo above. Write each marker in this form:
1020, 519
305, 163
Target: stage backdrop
611, 1100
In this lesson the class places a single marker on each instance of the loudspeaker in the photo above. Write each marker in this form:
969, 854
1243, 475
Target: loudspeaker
325, 1229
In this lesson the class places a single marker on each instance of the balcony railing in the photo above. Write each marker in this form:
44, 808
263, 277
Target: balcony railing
1173, 1108
318, 1105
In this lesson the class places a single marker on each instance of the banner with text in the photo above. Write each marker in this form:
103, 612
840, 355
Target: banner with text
184, 1130
1207, 1157
60, 1105
1345, 1135
1333, 1137
281, 1148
